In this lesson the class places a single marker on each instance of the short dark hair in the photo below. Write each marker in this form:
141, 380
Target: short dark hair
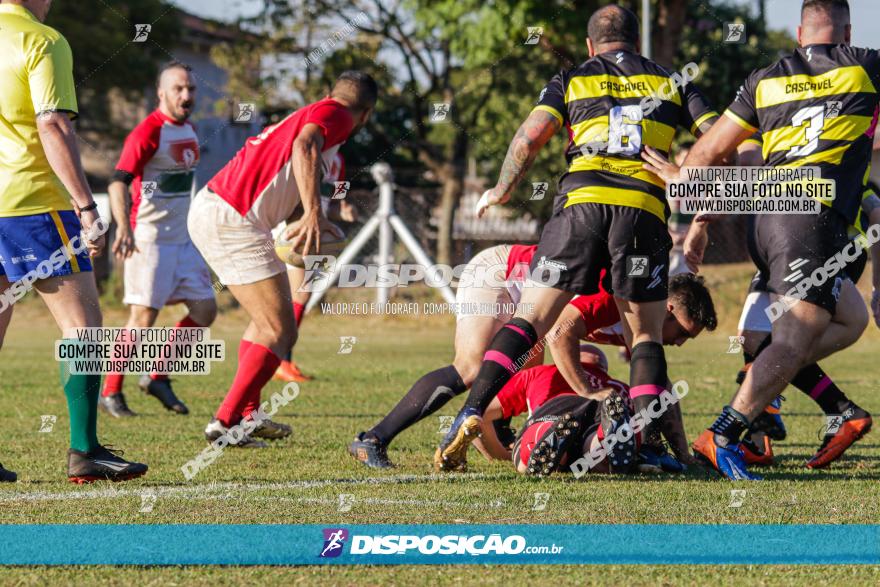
834, 8
172, 65
613, 24
690, 291
357, 88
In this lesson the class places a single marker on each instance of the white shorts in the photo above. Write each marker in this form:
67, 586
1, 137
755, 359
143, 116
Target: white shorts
485, 300
239, 251
754, 316
160, 274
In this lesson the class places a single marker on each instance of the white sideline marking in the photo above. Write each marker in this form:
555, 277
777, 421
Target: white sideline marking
202, 490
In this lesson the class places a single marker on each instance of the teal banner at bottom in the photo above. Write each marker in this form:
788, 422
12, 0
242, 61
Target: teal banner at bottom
437, 544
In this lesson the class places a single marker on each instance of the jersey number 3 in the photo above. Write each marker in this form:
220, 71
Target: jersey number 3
814, 119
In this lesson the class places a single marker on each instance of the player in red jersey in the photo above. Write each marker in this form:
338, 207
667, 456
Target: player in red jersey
562, 425
161, 264
486, 298
231, 222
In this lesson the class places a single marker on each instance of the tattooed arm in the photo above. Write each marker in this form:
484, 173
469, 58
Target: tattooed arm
531, 136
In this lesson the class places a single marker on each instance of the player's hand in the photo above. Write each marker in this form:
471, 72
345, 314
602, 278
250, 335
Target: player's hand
123, 244
659, 165
695, 246
93, 231
490, 197
875, 306
305, 233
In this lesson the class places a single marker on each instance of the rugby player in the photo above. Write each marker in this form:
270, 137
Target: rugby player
231, 221
162, 266
45, 205
592, 318
489, 288
788, 102
596, 318
562, 426
610, 212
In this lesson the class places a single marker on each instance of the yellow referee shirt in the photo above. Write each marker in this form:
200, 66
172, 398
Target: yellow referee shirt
36, 73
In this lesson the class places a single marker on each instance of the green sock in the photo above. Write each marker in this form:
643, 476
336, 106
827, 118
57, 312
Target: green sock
82, 393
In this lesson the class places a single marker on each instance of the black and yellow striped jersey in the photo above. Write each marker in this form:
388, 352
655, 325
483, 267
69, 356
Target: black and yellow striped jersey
604, 105
817, 107
860, 223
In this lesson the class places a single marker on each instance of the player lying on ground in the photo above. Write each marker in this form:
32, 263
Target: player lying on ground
46, 207
161, 265
562, 424
231, 222
489, 289
594, 318
784, 246
606, 200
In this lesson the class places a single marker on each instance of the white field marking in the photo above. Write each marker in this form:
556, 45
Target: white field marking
230, 488
375, 501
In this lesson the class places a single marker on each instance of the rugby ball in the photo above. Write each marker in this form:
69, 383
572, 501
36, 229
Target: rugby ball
331, 245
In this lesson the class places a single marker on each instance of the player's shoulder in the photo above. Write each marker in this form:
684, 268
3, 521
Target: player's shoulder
149, 128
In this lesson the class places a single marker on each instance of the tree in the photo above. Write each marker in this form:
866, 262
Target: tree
105, 58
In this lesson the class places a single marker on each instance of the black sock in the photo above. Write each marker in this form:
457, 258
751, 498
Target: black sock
506, 355
647, 376
426, 396
813, 381
729, 427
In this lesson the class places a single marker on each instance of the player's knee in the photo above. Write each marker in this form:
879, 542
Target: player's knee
204, 312
467, 368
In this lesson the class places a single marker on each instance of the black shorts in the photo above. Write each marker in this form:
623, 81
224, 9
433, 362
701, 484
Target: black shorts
791, 252
580, 241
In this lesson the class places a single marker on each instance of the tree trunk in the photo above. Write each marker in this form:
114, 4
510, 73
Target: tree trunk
453, 187
666, 31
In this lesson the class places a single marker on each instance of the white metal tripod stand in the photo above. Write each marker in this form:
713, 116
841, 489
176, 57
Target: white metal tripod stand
384, 220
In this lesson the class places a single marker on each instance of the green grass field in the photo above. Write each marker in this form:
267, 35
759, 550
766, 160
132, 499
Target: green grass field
300, 480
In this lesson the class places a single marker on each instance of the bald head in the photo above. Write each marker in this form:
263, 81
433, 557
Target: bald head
613, 25
824, 22
176, 90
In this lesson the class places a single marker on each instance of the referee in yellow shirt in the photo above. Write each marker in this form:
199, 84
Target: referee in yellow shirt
49, 224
